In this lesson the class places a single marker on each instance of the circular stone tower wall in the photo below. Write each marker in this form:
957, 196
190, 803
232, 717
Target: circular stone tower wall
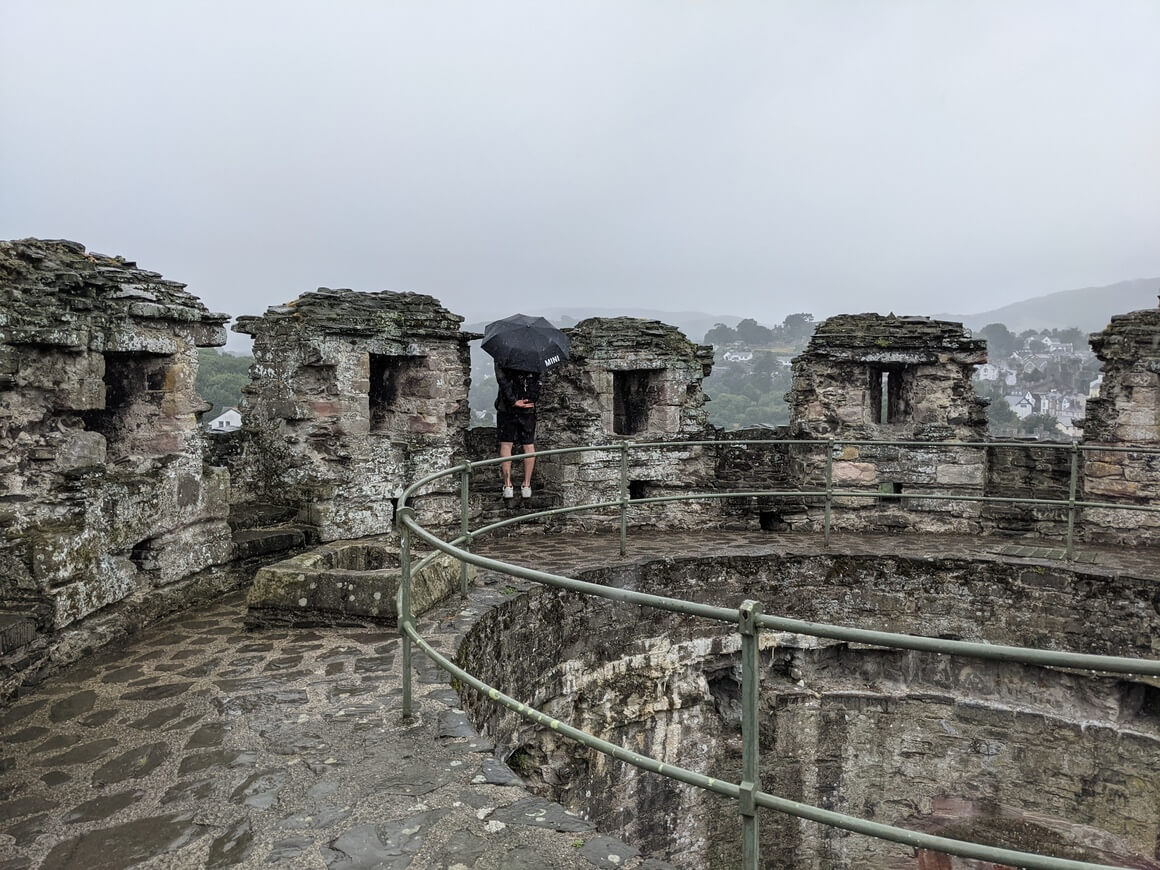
1033, 758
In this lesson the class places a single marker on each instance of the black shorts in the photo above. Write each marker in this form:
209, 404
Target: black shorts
517, 426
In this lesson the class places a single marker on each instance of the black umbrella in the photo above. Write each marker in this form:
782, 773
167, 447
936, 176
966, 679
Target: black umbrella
529, 344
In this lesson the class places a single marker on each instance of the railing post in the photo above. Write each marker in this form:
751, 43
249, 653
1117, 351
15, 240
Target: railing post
750, 728
464, 526
623, 497
1071, 487
830, 445
404, 615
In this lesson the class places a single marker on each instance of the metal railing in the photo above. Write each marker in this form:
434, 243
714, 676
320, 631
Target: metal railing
750, 621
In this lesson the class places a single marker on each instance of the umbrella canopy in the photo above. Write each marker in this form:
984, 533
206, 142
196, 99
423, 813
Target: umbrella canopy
529, 344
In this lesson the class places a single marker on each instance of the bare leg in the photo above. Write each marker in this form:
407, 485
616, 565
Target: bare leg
505, 449
529, 463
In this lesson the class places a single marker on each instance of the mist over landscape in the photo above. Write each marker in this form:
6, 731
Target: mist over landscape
744, 160
703, 165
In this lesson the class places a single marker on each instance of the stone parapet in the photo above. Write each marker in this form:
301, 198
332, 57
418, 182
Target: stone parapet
104, 496
629, 380
353, 396
1127, 413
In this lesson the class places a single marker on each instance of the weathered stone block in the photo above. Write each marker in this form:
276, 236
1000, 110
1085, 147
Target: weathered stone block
100, 584
1096, 468
175, 555
1139, 379
959, 475
351, 578
855, 473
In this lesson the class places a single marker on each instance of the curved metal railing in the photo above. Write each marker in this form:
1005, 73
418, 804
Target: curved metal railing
749, 621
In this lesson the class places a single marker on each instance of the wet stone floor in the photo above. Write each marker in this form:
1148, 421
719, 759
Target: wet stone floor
203, 744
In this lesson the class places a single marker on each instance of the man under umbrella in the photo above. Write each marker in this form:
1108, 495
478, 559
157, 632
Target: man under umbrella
515, 421
523, 347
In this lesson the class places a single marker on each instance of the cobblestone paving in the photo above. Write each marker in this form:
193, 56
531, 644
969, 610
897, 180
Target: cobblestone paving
203, 744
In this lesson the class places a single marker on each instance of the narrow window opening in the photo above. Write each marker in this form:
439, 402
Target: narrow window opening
890, 491
887, 400
630, 400
390, 382
134, 383
771, 521
143, 555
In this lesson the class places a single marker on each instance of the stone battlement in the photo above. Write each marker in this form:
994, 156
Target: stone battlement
116, 509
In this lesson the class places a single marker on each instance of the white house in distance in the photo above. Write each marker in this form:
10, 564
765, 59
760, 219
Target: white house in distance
227, 421
1023, 404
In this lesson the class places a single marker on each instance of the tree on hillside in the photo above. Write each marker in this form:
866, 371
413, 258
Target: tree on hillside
1000, 414
753, 333
220, 378
1043, 425
1001, 342
799, 327
1077, 338
765, 363
720, 334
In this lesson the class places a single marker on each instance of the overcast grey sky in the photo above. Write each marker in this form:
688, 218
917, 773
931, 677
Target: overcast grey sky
749, 158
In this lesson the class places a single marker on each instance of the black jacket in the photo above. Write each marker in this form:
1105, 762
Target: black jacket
514, 385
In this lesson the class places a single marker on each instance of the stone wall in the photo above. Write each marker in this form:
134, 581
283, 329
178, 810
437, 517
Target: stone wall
353, 397
754, 467
105, 503
1032, 758
629, 380
1126, 414
1036, 471
874, 377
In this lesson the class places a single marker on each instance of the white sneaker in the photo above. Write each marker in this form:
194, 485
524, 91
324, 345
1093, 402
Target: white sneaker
525, 492
508, 492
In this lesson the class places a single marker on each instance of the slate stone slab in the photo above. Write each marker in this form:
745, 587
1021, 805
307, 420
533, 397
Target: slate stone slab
103, 807
237, 706
454, 723
526, 858
20, 712
322, 817
198, 790
448, 697
125, 845
72, 706
58, 741
496, 772
96, 720
261, 789
388, 845
414, 778
82, 753
25, 806
232, 847
123, 675
26, 832
207, 736
207, 760
157, 693
133, 764
33, 732
285, 850
462, 848
541, 813
607, 852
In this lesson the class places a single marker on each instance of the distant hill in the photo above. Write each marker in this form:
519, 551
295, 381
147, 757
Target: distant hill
694, 324
1089, 308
